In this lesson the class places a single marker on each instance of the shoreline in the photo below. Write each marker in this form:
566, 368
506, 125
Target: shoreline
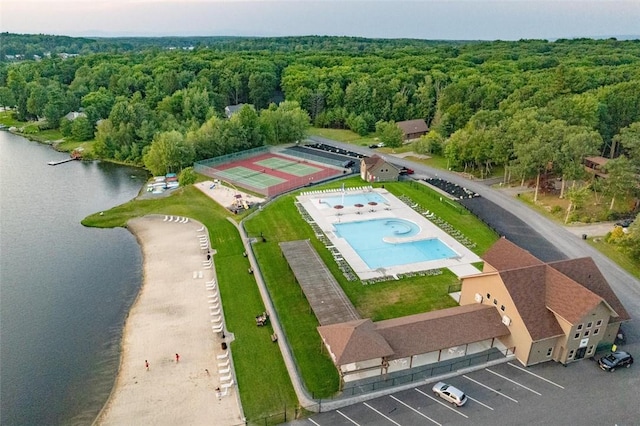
169, 315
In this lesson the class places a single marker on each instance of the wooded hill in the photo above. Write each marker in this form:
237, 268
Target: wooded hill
530, 105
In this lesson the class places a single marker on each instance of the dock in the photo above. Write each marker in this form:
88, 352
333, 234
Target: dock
66, 160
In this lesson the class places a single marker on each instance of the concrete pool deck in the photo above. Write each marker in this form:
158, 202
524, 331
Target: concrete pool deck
325, 216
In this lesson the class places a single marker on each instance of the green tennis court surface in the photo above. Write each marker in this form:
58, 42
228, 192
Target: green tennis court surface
250, 177
288, 166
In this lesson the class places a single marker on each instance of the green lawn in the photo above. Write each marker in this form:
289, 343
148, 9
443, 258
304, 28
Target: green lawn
265, 387
280, 221
616, 254
343, 135
263, 381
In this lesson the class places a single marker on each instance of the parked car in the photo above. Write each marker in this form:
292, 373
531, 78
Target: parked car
450, 393
625, 223
373, 146
406, 171
615, 360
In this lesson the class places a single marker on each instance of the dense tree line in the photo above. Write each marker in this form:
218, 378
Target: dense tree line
531, 106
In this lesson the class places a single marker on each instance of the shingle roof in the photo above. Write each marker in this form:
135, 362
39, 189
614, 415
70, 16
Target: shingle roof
568, 288
527, 289
354, 341
445, 328
412, 335
413, 126
585, 272
567, 298
504, 255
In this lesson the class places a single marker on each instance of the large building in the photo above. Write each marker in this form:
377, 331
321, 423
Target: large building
558, 311
518, 305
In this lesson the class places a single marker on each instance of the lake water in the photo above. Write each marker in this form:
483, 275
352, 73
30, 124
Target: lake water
65, 289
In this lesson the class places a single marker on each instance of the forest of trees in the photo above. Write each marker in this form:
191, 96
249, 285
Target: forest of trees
531, 106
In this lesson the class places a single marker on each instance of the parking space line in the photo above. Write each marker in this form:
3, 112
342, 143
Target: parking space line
535, 375
383, 415
346, 417
315, 423
487, 387
514, 382
414, 410
442, 403
481, 403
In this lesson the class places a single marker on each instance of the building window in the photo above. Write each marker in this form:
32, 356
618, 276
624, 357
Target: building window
579, 327
502, 308
576, 336
495, 301
586, 333
596, 331
589, 324
549, 352
570, 354
598, 323
590, 350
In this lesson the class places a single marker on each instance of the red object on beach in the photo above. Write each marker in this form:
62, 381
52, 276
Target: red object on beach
338, 206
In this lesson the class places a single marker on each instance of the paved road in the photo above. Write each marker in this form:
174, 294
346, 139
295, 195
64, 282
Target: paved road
626, 287
506, 394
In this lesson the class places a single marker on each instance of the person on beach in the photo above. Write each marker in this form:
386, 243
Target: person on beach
146, 364
177, 358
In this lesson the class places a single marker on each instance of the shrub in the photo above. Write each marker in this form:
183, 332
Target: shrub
187, 176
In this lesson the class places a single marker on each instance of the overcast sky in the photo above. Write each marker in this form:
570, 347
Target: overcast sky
425, 19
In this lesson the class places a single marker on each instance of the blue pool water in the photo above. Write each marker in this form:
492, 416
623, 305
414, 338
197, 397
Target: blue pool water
366, 238
349, 200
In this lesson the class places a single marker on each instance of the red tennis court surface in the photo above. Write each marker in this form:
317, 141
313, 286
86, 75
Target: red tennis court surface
271, 174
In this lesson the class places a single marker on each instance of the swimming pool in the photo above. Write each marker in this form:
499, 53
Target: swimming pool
367, 238
349, 200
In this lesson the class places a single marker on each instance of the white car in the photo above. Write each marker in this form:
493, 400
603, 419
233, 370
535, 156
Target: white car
450, 393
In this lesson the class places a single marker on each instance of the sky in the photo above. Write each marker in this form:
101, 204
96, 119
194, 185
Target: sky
422, 19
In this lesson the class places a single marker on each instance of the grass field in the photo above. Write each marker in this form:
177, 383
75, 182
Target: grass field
264, 384
263, 380
280, 221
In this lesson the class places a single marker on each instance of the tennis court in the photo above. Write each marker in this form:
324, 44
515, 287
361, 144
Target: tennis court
265, 171
296, 168
256, 179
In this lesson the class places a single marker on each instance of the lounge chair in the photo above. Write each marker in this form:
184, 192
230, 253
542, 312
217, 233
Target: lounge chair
224, 364
225, 378
224, 370
223, 356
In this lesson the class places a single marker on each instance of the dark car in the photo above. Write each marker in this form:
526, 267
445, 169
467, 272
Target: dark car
625, 223
615, 360
373, 146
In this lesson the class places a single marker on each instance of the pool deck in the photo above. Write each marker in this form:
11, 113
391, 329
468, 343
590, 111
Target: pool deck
326, 216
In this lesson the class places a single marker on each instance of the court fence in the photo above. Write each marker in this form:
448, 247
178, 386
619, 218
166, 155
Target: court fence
208, 168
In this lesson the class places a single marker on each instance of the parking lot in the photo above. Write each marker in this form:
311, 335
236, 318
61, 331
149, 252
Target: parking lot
507, 394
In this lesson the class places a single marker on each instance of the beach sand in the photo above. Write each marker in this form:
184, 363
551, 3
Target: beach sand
171, 315
226, 195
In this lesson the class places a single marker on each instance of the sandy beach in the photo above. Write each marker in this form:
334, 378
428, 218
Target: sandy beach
172, 315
